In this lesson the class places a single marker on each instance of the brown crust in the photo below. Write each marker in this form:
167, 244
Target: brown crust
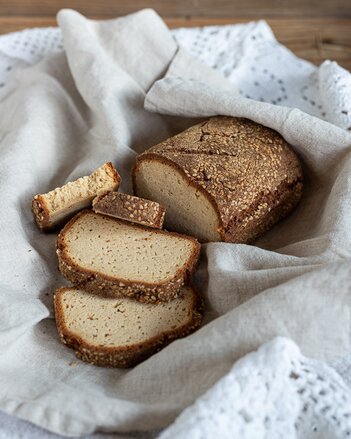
121, 357
283, 202
130, 208
114, 173
41, 213
188, 150
111, 286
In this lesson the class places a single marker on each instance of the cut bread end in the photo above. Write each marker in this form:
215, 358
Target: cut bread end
122, 332
114, 257
55, 207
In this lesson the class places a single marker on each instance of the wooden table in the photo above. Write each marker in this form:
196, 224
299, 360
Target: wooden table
315, 30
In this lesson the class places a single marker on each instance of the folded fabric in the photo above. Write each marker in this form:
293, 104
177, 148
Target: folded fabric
77, 109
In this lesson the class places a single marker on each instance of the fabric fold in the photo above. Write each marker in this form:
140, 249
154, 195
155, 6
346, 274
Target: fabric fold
65, 116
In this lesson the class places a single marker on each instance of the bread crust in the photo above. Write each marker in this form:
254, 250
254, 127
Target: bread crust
180, 153
130, 208
41, 213
100, 283
113, 171
121, 357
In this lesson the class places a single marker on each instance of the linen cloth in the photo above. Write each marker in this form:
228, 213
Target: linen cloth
75, 110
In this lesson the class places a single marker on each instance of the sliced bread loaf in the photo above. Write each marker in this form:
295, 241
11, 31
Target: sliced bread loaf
225, 179
53, 208
121, 332
115, 257
129, 208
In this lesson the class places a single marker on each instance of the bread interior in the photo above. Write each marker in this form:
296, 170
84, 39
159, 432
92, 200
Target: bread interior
103, 321
188, 210
125, 251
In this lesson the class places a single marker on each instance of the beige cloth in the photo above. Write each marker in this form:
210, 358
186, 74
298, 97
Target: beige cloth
67, 115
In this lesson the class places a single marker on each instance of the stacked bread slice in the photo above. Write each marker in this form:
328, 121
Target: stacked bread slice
118, 258
122, 332
130, 294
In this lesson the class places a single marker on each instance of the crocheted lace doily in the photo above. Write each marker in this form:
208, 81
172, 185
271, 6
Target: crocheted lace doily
274, 392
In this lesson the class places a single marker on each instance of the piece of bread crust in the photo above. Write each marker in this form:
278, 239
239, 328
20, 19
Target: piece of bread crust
55, 207
129, 208
81, 315
114, 244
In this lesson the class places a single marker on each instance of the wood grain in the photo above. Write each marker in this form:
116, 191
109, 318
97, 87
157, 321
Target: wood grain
313, 39
183, 8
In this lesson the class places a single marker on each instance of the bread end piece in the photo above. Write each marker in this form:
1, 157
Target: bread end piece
130, 208
55, 207
121, 333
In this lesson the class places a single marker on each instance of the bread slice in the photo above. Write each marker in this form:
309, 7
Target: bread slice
53, 208
225, 179
121, 332
115, 257
129, 208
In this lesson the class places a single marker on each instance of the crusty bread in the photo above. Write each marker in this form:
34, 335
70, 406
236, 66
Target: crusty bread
129, 208
225, 179
115, 257
58, 205
121, 332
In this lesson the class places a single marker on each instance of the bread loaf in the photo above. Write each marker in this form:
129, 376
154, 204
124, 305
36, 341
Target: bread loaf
134, 209
58, 205
225, 179
121, 332
114, 257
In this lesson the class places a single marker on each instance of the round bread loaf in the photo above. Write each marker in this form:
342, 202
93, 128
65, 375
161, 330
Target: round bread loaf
225, 179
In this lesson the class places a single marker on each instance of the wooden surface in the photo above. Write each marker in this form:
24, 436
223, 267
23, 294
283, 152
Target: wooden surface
183, 8
315, 30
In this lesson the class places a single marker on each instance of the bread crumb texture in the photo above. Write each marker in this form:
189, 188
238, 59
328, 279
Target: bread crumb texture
116, 257
118, 331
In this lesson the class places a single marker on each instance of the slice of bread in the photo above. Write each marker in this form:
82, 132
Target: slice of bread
58, 205
130, 208
115, 257
225, 179
121, 332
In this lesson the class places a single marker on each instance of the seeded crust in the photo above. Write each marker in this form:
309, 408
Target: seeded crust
54, 207
248, 172
121, 356
99, 283
130, 208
